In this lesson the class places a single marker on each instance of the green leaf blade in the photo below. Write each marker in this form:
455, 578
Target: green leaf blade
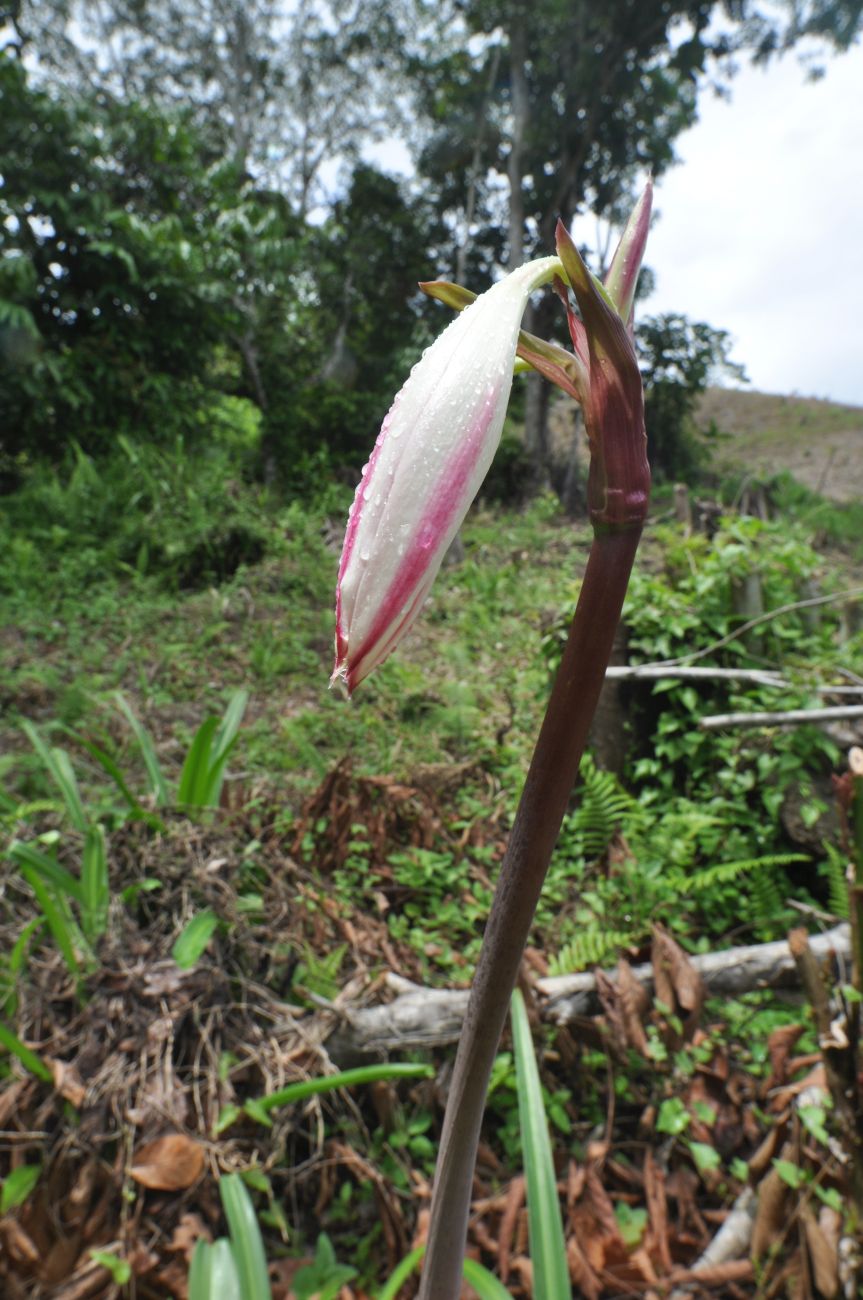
192, 941
246, 1241
545, 1228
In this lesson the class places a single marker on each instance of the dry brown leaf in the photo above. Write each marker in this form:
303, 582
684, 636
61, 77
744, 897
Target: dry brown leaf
60, 1260
524, 1268
142, 1260
771, 1219
657, 1211
17, 1243
759, 1162
580, 1272
576, 1176
816, 1078
10, 1100
189, 1231
174, 1277
780, 1044
88, 1283
634, 1003
77, 1200
676, 981
67, 1081
609, 996
824, 1256
509, 1219
168, 1164
595, 1222
641, 1260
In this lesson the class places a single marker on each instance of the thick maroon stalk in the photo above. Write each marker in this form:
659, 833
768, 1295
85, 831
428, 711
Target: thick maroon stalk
544, 801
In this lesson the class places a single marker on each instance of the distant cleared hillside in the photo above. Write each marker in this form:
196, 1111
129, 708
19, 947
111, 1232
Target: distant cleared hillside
820, 443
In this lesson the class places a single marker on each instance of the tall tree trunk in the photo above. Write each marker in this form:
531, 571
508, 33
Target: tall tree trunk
520, 112
536, 410
475, 162
536, 407
269, 451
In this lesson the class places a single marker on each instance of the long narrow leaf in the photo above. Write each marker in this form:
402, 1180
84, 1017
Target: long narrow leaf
48, 868
230, 725
26, 1056
60, 769
213, 1275
58, 917
111, 767
209, 789
10, 971
346, 1079
248, 1247
193, 778
94, 883
158, 784
486, 1284
401, 1273
545, 1229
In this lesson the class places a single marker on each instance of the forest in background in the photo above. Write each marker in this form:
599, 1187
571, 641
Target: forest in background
197, 237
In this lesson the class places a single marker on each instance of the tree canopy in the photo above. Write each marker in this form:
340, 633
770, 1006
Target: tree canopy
190, 207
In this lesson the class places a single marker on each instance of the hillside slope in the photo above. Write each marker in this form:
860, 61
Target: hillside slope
819, 442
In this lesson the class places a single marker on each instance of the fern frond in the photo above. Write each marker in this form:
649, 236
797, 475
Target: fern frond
724, 873
766, 896
592, 947
604, 807
835, 866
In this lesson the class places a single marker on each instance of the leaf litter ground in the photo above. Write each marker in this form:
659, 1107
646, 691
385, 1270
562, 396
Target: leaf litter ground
150, 1061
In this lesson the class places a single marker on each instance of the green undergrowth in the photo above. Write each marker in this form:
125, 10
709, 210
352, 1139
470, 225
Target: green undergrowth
708, 832
829, 523
246, 822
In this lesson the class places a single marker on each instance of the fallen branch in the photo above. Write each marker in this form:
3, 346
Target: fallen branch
424, 1018
659, 673
851, 593
683, 672
730, 1244
787, 719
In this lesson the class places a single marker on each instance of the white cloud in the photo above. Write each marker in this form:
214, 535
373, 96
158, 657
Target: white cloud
761, 229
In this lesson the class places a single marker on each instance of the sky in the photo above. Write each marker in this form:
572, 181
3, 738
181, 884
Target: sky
760, 231
760, 226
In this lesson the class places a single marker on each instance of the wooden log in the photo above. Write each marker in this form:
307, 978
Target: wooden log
789, 718
425, 1018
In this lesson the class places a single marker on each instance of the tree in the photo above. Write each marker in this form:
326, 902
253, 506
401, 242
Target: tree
585, 97
109, 307
678, 359
280, 89
332, 381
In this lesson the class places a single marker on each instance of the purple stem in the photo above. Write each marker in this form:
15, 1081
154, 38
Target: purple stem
550, 779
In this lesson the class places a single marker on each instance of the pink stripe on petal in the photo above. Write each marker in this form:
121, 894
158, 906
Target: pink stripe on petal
425, 551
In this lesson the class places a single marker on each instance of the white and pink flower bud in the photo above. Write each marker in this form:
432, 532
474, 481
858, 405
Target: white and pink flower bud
433, 452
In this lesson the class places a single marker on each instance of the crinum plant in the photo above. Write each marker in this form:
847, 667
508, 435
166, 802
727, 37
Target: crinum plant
432, 453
